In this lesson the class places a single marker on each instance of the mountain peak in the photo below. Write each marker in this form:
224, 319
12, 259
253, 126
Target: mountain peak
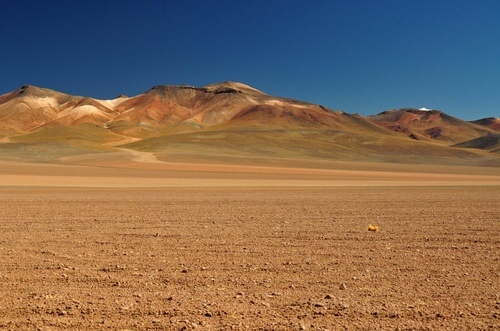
31, 90
26, 88
236, 86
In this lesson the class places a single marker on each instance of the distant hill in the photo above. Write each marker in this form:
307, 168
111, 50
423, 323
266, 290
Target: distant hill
490, 122
232, 119
432, 125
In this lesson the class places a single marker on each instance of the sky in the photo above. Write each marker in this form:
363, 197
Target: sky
358, 56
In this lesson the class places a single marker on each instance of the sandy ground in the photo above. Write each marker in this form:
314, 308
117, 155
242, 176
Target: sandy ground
178, 246
144, 170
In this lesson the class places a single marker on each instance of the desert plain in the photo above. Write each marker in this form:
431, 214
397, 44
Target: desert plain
150, 245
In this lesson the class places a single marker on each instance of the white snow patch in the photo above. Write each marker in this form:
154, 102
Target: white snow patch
424, 109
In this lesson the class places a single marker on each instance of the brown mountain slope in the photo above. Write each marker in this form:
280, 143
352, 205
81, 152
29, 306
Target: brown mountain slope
490, 142
30, 107
214, 105
431, 125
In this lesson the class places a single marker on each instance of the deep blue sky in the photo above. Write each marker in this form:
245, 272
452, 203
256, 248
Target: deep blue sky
357, 56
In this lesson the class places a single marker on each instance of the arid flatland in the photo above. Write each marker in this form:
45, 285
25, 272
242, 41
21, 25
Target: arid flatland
250, 258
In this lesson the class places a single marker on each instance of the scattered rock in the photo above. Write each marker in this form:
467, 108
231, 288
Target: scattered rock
61, 312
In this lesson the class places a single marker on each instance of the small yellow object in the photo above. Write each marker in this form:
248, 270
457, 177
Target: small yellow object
372, 228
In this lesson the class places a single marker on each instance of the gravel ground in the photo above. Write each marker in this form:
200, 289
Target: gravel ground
250, 259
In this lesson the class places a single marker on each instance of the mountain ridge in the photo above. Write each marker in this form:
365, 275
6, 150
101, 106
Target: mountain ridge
193, 115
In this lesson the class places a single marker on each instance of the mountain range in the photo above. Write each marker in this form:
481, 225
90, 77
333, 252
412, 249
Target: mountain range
233, 122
